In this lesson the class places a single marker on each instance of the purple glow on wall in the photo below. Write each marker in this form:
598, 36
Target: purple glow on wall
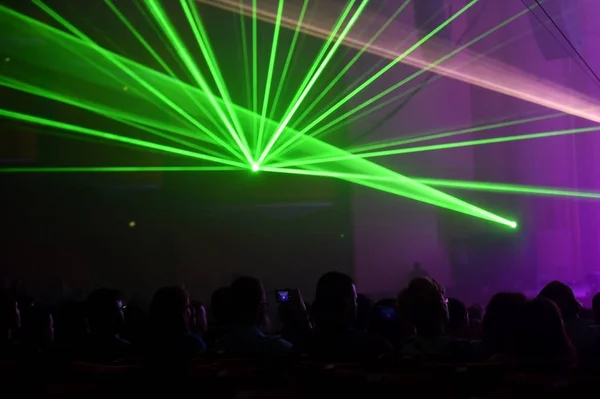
558, 237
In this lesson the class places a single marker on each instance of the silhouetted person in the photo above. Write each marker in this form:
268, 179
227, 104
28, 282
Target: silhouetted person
580, 331
37, 329
458, 319
169, 332
500, 324
335, 335
541, 341
417, 271
105, 318
596, 307
248, 313
428, 312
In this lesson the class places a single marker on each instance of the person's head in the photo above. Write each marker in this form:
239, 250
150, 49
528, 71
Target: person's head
541, 336
249, 302
596, 307
476, 313
458, 318
562, 295
500, 322
427, 307
10, 317
104, 309
37, 327
335, 303
404, 314
170, 313
220, 305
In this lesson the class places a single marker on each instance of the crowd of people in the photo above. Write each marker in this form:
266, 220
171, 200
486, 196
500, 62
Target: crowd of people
551, 333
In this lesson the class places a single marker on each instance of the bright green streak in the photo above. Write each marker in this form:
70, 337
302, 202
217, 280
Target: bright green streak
159, 14
508, 188
269, 81
359, 151
381, 182
117, 169
349, 65
288, 59
193, 17
436, 136
400, 186
115, 114
254, 64
150, 50
311, 83
436, 147
381, 72
112, 58
347, 121
245, 56
113, 137
311, 72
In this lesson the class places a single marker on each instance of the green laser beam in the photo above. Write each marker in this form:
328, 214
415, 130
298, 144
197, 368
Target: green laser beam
508, 188
115, 169
112, 137
112, 58
446, 146
162, 19
381, 72
298, 101
270, 70
350, 64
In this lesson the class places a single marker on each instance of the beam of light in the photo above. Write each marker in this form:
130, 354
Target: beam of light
310, 74
254, 34
380, 73
26, 26
380, 182
114, 114
401, 186
427, 137
334, 126
112, 137
162, 19
270, 70
246, 58
298, 100
115, 169
454, 184
435, 147
288, 60
436, 136
140, 38
488, 74
349, 65
346, 116
195, 22
508, 188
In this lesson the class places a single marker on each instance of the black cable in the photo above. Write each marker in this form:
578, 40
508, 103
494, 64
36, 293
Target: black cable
425, 83
564, 35
587, 69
